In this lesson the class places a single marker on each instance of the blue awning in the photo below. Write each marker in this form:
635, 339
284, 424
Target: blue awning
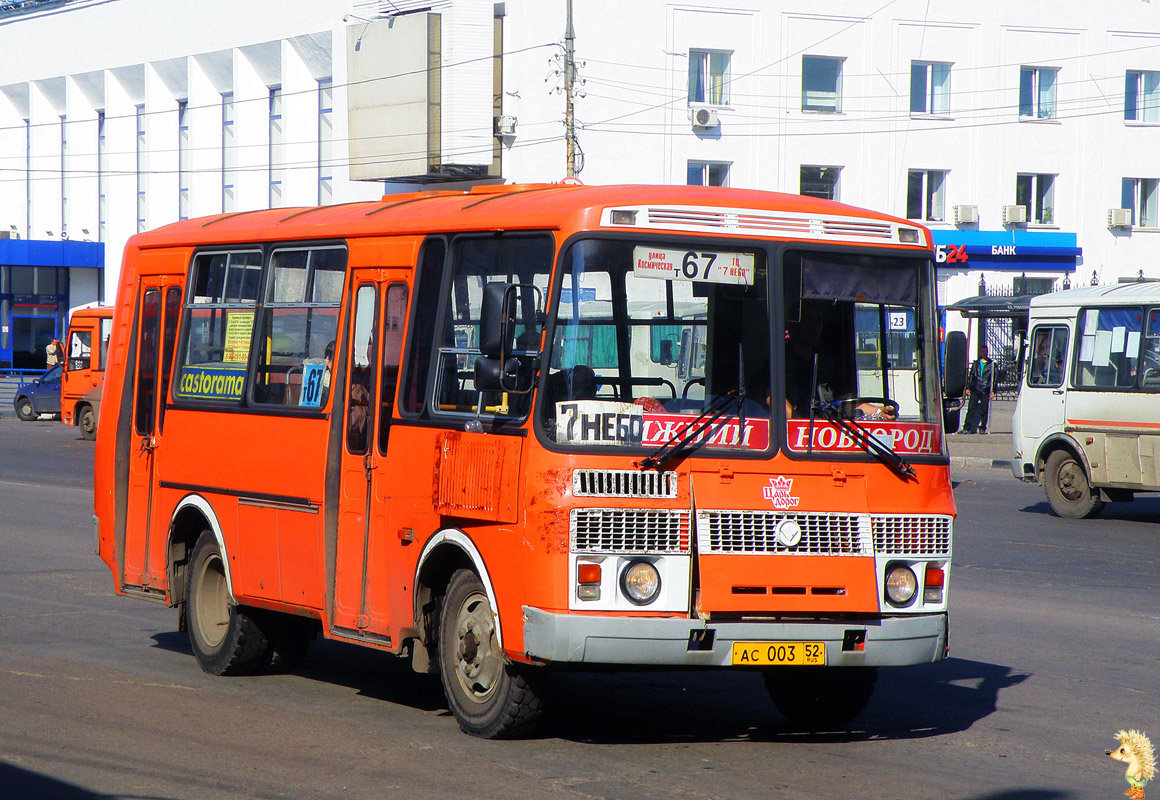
37, 253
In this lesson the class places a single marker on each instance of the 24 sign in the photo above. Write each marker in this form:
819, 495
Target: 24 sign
950, 254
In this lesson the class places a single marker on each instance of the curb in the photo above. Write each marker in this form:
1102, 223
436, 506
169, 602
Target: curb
976, 461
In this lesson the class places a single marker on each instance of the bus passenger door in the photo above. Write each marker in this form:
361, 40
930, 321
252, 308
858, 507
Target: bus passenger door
360, 604
157, 317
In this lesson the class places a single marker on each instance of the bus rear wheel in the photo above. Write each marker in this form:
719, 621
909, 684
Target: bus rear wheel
489, 697
226, 638
1068, 490
820, 698
88, 423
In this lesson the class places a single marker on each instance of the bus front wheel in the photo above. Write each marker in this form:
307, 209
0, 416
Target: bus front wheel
88, 423
226, 638
820, 698
489, 697
1068, 490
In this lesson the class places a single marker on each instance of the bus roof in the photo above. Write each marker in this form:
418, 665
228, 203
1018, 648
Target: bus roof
1115, 294
681, 209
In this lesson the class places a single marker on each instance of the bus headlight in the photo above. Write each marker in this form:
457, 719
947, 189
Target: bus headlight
640, 582
901, 584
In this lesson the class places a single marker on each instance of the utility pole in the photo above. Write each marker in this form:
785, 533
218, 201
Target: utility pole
569, 80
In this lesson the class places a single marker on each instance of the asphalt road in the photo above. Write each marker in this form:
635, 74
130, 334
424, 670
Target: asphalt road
1054, 640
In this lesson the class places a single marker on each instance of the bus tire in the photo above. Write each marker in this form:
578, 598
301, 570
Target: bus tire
820, 698
88, 423
226, 638
489, 697
24, 409
1068, 490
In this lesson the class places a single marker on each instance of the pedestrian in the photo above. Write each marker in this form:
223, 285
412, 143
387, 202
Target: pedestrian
981, 385
54, 352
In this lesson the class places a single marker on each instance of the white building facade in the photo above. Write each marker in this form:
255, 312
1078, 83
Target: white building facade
1023, 134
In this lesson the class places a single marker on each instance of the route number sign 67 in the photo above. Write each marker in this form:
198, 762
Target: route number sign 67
702, 266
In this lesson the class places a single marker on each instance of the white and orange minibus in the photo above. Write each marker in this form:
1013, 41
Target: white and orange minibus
520, 427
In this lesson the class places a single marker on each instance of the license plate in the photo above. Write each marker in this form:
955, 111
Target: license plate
766, 654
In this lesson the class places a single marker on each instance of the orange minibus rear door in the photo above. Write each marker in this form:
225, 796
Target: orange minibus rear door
361, 604
157, 317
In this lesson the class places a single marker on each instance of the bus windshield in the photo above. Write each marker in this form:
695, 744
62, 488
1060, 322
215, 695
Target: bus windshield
647, 336
654, 343
857, 347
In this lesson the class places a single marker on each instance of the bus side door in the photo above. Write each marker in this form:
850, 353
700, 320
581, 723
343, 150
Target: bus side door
157, 317
364, 547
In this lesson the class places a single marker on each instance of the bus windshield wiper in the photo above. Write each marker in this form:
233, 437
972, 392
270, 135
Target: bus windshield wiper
687, 442
866, 440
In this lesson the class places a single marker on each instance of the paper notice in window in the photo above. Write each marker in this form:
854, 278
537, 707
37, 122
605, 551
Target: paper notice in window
1118, 334
1091, 319
237, 344
1087, 348
1102, 356
1132, 344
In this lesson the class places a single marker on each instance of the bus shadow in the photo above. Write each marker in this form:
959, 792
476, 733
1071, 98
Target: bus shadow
377, 675
21, 783
1142, 509
713, 706
637, 706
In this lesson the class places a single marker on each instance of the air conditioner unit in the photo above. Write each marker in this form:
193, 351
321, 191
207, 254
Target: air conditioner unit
1119, 217
1014, 215
505, 126
966, 215
703, 117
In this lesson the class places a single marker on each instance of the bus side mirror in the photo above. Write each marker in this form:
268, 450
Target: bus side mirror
495, 320
955, 365
954, 379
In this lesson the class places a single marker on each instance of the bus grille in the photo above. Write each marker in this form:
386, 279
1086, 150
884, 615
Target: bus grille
756, 532
630, 530
912, 535
623, 483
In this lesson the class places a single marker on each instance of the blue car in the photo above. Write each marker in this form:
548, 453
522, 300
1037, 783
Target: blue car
42, 396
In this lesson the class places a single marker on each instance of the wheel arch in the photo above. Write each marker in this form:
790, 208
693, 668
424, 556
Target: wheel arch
1059, 441
448, 550
193, 515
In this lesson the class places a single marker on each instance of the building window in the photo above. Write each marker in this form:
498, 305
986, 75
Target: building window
1037, 92
183, 159
926, 194
142, 168
708, 173
229, 153
275, 150
819, 182
1036, 193
930, 88
709, 77
325, 141
1142, 96
1140, 196
821, 84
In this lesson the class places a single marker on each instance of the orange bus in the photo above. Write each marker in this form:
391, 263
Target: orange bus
524, 427
84, 367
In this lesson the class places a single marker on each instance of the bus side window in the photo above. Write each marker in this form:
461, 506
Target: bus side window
394, 316
359, 401
298, 321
